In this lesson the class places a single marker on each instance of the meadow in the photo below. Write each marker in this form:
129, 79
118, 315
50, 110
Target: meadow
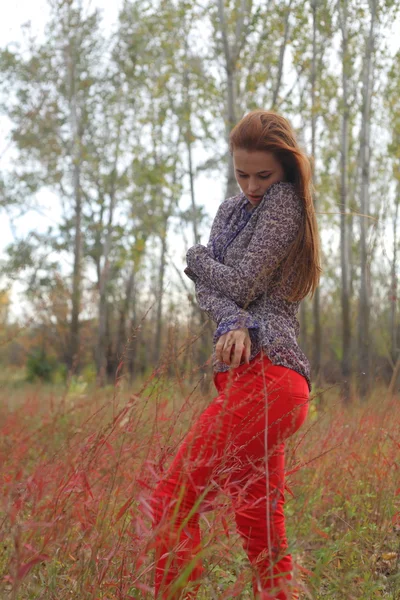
79, 464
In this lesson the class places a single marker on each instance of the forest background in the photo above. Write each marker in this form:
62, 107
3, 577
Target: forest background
115, 159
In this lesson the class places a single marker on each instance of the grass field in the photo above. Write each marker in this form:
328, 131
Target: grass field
79, 463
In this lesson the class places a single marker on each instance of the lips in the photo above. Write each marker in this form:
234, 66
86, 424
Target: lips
255, 197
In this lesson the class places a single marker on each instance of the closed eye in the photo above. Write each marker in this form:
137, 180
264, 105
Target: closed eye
260, 176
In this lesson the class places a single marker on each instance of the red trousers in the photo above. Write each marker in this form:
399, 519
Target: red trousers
237, 443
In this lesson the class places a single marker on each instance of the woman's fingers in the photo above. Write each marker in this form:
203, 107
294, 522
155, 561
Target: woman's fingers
232, 346
226, 353
219, 347
237, 355
247, 350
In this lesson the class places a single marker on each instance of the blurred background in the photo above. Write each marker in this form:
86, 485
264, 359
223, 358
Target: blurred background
113, 160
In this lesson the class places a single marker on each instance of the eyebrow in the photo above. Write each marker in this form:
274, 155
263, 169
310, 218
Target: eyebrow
259, 172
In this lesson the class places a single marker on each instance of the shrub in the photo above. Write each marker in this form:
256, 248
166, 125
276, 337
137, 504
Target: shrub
40, 366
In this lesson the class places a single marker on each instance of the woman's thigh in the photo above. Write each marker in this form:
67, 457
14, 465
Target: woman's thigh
267, 403
258, 406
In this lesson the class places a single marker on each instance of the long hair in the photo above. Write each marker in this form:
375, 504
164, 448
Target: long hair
264, 130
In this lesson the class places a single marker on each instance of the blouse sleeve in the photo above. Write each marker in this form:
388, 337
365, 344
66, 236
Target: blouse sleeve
226, 314
221, 309
279, 220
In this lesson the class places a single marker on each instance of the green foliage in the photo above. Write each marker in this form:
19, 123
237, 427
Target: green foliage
89, 373
60, 374
39, 366
77, 386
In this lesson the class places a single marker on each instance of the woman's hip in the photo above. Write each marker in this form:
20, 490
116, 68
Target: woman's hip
261, 376
262, 402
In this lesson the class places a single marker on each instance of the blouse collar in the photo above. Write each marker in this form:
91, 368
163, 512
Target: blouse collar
246, 203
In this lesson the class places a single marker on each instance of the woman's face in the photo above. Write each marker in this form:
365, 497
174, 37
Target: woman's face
255, 172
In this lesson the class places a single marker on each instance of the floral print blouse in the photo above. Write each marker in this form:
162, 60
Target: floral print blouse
234, 272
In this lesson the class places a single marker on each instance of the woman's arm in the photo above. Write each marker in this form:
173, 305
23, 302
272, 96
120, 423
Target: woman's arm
279, 220
221, 309
226, 314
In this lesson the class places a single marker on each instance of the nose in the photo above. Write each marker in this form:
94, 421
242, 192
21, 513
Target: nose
253, 187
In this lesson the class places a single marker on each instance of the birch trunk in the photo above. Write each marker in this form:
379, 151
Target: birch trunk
282, 51
204, 350
230, 121
231, 57
76, 134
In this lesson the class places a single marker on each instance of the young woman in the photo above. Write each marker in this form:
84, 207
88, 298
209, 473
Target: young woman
262, 259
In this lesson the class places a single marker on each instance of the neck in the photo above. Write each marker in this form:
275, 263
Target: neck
249, 206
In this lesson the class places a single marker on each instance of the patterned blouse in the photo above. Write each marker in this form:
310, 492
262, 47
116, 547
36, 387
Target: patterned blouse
233, 273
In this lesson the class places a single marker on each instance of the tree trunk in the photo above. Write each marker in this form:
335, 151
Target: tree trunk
231, 56
76, 277
364, 380
106, 270
303, 316
161, 273
282, 51
73, 359
395, 375
123, 344
394, 346
316, 300
109, 358
344, 252
203, 341
135, 334
393, 288
103, 286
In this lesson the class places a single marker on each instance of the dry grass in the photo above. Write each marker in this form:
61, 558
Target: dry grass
78, 468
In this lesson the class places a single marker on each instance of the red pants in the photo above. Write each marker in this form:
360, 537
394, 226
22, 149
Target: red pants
238, 443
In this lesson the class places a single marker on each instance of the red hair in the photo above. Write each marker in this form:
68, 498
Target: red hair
264, 130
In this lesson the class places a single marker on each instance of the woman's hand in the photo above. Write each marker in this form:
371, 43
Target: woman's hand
237, 340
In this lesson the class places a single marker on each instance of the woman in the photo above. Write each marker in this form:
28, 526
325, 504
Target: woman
261, 260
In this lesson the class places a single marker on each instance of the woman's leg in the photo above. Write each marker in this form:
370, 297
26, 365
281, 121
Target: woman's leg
279, 407
191, 481
260, 521
229, 440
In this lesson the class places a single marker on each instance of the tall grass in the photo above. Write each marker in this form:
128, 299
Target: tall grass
77, 470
